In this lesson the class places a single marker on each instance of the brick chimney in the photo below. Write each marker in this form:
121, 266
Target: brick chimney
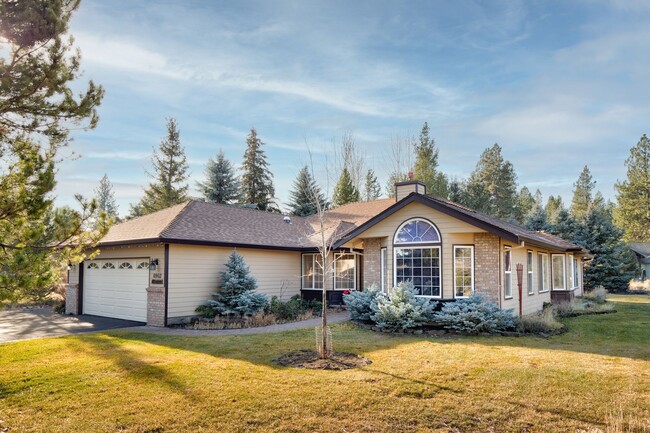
402, 189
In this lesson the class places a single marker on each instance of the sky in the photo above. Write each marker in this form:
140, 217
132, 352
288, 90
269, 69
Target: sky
559, 85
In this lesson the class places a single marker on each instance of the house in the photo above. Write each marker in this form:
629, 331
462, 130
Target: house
642, 252
158, 268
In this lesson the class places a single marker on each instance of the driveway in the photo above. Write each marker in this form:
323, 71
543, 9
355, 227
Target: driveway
24, 324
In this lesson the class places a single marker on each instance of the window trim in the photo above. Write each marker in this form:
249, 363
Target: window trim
383, 255
410, 220
302, 270
507, 249
564, 279
544, 270
354, 280
530, 273
453, 260
419, 246
576, 272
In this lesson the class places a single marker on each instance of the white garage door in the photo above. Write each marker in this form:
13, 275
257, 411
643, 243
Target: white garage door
116, 288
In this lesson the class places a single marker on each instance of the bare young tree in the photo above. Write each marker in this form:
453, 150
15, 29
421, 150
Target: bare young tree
401, 159
348, 154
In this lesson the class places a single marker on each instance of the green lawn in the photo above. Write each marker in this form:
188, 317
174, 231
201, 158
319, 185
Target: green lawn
594, 378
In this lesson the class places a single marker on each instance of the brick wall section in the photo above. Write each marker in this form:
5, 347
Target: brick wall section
486, 265
371, 262
71, 297
156, 306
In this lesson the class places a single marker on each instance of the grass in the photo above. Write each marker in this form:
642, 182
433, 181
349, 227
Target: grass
594, 378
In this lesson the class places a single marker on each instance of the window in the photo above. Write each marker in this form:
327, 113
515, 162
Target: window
576, 279
344, 272
420, 266
542, 264
312, 271
463, 271
570, 273
529, 269
126, 265
108, 265
383, 269
558, 271
143, 265
92, 265
507, 274
417, 231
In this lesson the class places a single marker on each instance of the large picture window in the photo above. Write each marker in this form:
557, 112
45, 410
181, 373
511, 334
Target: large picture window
542, 264
344, 272
529, 271
558, 271
417, 257
463, 271
312, 271
507, 274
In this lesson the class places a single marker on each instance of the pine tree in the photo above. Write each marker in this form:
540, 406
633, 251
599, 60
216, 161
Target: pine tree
170, 174
345, 192
456, 192
553, 206
372, 188
302, 199
492, 186
426, 165
536, 219
582, 194
525, 204
394, 178
565, 226
221, 184
106, 197
257, 181
633, 211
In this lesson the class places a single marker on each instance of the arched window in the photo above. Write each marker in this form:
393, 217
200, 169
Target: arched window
417, 231
108, 265
418, 257
92, 265
126, 265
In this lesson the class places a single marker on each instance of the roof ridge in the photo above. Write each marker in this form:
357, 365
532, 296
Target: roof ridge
176, 218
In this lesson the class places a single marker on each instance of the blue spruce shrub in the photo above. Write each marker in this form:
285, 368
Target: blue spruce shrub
236, 296
401, 309
359, 303
473, 315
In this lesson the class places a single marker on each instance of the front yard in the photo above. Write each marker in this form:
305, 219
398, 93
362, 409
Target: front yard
594, 378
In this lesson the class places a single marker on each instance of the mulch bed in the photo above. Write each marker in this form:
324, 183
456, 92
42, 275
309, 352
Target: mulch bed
310, 359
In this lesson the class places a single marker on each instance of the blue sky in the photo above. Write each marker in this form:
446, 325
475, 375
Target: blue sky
557, 84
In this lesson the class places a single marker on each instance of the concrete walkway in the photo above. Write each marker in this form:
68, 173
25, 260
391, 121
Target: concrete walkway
331, 318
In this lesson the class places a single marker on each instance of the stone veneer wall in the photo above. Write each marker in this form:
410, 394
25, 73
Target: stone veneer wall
371, 262
486, 265
156, 306
71, 299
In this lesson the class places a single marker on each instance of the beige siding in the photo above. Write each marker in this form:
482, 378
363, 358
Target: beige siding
194, 274
452, 232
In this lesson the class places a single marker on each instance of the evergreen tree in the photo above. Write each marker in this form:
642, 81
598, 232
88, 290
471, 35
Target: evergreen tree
536, 220
170, 174
345, 192
456, 192
633, 211
553, 206
257, 181
106, 197
492, 186
302, 199
221, 184
525, 204
38, 108
565, 226
582, 194
372, 188
426, 165
394, 178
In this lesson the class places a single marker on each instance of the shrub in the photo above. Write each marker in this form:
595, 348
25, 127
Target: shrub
289, 310
359, 303
236, 296
401, 309
598, 295
473, 315
563, 309
540, 323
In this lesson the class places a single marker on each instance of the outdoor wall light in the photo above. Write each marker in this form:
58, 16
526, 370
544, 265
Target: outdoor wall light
153, 264
69, 266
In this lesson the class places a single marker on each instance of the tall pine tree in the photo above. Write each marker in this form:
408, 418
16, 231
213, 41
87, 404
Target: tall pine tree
372, 188
345, 192
633, 211
105, 197
257, 181
582, 194
425, 168
169, 175
553, 206
305, 195
221, 184
525, 204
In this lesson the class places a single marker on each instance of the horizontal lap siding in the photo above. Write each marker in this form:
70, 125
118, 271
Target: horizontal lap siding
194, 273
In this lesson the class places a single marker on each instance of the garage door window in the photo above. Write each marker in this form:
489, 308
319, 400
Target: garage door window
108, 265
92, 266
126, 265
143, 265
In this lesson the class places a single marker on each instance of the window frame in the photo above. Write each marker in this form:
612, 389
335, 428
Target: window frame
543, 272
576, 273
383, 255
471, 248
530, 274
507, 251
562, 258
420, 247
354, 267
416, 219
108, 265
315, 267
